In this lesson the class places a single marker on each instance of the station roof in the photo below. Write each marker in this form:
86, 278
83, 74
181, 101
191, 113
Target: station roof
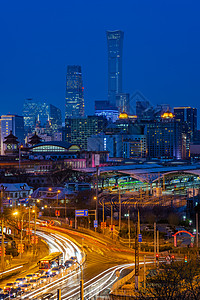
148, 172
54, 146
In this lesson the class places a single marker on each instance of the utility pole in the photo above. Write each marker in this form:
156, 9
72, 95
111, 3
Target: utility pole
157, 247
139, 226
144, 272
163, 182
197, 230
21, 236
65, 208
103, 215
120, 209
155, 244
29, 225
97, 183
136, 258
2, 246
35, 245
81, 285
59, 294
129, 230
111, 217
2, 194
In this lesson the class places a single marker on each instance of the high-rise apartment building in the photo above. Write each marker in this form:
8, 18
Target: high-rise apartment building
41, 114
115, 47
188, 117
74, 101
12, 123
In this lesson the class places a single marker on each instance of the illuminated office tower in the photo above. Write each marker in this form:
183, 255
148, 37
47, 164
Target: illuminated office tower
115, 46
188, 117
41, 114
74, 105
14, 124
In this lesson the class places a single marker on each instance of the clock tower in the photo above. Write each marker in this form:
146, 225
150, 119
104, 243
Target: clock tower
11, 144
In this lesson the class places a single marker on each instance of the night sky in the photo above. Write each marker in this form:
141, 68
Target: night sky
161, 54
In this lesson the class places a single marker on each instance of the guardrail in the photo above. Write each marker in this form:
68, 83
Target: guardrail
121, 281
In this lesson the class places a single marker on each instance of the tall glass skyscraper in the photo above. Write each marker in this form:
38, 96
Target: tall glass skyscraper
74, 93
35, 112
115, 47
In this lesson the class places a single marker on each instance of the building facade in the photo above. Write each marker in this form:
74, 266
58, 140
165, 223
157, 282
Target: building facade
115, 48
41, 115
188, 117
79, 129
104, 108
123, 102
166, 139
74, 101
14, 124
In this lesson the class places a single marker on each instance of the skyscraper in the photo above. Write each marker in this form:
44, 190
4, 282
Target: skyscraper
188, 117
122, 102
12, 123
74, 93
166, 138
42, 114
115, 46
79, 129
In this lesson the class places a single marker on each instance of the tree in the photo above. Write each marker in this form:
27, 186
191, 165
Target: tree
177, 280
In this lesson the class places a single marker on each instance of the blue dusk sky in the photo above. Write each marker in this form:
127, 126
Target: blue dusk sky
161, 53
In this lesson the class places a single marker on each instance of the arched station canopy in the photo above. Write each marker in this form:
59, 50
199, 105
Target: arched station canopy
148, 172
54, 147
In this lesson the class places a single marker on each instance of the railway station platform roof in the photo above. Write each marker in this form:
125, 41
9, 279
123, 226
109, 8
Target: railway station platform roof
147, 172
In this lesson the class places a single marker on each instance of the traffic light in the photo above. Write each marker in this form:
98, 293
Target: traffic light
20, 248
172, 257
1, 252
157, 256
185, 258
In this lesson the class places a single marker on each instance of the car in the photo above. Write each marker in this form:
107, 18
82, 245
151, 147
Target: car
38, 274
53, 274
35, 275
8, 287
14, 292
20, 281
44, 278
34, 282
74, 258
25, 287
4, 296
47, 296
69, 263
41, 272
57, 270
29, 277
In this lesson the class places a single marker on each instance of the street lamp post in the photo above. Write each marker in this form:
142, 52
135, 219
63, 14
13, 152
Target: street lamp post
2, 246
58, 192
81, 283
120, 209
97, 186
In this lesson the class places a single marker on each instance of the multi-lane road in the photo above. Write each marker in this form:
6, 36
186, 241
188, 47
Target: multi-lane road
100, 262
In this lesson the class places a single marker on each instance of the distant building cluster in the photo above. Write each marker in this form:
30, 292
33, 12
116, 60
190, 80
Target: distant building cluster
123, 126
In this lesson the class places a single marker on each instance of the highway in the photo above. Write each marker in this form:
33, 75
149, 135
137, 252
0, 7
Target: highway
99, 269
100, 264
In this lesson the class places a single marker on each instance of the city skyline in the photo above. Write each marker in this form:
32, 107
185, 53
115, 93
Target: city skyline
160, 58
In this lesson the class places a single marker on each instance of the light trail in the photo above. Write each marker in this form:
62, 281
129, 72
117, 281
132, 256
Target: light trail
92, 287
101, 282
11, 270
